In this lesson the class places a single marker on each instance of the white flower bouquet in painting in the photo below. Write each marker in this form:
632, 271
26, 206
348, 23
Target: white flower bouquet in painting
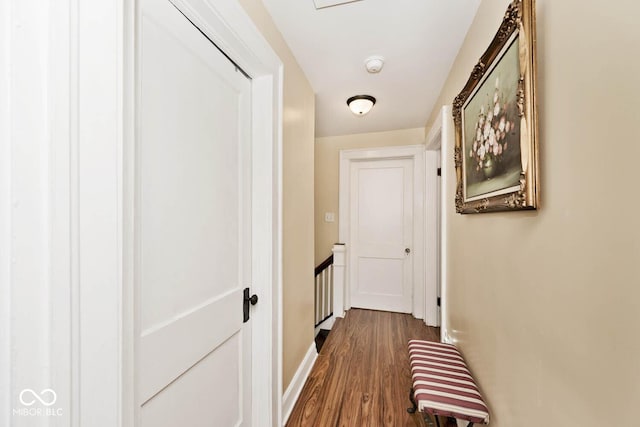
495, 123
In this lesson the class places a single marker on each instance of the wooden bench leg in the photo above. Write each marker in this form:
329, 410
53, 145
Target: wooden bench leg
429, 420
413, 409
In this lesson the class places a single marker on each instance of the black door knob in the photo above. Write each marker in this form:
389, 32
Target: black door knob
253, 299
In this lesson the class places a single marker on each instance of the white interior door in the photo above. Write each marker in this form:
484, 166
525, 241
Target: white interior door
193, 237
381, 234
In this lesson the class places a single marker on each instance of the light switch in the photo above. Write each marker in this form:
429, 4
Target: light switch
329, 217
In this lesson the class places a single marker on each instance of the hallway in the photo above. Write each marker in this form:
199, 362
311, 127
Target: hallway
361, 377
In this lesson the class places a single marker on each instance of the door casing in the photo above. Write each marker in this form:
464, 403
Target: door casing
439, 143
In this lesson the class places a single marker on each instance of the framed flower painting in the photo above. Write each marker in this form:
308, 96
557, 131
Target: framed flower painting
496, 153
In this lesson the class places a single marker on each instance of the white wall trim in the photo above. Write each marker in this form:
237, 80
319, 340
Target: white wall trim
35, 188
60, 182
446, 152
65, 230
6, 327
433, 144
326, 324
415, 152
433, 140
432, 245
127, 199
297, 382
98, 113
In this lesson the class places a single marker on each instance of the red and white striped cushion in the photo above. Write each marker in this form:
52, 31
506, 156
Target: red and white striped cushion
442, 382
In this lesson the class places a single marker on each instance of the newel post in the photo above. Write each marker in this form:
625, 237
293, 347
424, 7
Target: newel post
339, 259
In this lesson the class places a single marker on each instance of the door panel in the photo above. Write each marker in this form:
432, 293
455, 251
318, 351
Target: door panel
381, 230
380, 276
199, 402
195, 334
380, 206
192, 228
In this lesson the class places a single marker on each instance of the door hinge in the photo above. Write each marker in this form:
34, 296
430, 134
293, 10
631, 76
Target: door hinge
246, 300
439, 171
438, 301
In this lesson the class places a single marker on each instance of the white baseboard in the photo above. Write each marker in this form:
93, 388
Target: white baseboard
295, 387
445, 337
327, 324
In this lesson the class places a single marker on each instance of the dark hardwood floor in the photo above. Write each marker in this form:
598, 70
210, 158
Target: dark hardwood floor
361, 377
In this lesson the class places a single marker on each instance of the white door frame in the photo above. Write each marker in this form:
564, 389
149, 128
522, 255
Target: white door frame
66, 211
226, 24
439, 141
416, 153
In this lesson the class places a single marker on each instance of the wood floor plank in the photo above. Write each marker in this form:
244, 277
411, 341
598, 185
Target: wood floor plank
361, 377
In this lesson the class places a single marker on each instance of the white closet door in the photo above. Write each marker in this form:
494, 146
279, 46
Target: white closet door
381, 234
192, 227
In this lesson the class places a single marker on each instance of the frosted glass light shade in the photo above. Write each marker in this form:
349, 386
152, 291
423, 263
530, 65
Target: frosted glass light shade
361, 104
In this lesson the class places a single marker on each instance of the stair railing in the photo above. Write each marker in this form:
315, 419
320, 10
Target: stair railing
324, 291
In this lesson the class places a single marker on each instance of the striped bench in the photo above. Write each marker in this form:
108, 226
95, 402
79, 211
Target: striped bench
443, 385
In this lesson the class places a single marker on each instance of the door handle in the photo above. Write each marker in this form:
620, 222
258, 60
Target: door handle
407, 251
246, 300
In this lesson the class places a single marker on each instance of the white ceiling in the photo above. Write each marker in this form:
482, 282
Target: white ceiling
419, 40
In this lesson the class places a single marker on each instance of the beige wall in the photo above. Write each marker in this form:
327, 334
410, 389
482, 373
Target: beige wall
327, 175
545, 304
298, 135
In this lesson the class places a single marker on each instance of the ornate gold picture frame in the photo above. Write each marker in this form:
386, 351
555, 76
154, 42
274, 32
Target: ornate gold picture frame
496, 154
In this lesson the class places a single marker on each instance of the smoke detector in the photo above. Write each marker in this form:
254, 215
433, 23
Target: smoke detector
374, 64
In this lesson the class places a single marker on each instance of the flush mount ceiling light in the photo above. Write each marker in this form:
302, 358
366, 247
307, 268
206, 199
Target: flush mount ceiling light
361, 104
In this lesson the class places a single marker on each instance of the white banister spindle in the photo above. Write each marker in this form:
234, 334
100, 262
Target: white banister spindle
317, 300
332, 290
325, 292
